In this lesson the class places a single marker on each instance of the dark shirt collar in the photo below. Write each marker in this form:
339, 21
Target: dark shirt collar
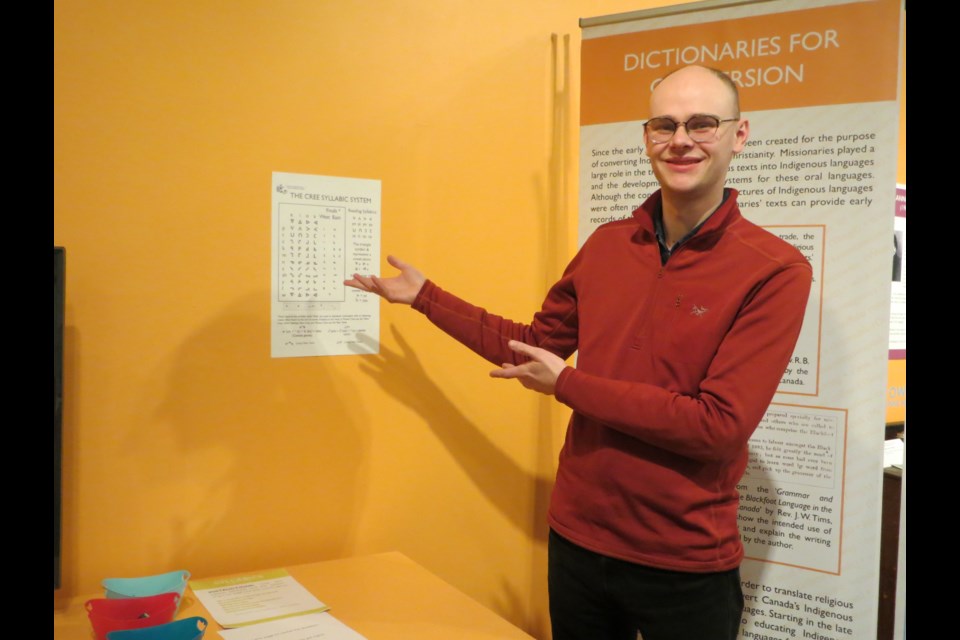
666, 251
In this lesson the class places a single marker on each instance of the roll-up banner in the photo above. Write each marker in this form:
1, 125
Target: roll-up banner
818, 81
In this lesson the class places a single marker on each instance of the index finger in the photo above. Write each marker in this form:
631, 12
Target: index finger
360, 282
524, 348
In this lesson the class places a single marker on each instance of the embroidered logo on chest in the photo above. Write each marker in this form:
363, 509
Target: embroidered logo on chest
698, 310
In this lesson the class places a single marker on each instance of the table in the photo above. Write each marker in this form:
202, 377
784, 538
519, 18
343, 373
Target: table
382, 597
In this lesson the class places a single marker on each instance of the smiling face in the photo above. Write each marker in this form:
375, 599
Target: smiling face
692, 174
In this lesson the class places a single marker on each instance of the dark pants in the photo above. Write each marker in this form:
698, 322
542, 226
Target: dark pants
593, 597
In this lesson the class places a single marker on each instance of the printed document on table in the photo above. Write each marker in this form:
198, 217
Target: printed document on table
311, 626
325, 229
256, 597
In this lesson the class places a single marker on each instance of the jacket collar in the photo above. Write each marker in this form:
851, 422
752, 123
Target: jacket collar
726, 214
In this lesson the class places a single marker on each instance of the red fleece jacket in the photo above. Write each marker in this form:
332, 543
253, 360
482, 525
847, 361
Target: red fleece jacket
677, 364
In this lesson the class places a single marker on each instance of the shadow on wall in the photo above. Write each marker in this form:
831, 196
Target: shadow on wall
519, 495
264, 456
400, 374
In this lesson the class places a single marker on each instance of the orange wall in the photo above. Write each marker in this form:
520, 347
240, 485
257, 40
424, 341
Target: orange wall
185, 444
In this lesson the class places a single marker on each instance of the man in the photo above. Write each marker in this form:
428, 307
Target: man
684, 317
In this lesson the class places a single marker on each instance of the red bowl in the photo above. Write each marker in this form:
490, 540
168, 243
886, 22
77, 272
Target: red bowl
114, 614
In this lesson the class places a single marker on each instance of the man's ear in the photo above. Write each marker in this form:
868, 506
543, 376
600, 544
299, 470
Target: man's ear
743, 134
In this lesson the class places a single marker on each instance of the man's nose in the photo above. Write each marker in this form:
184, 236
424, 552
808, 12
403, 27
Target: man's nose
680, 137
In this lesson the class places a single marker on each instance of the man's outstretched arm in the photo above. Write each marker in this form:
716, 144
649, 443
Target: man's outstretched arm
553, 328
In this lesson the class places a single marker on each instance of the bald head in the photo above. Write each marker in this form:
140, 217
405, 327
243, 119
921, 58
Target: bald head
695, 75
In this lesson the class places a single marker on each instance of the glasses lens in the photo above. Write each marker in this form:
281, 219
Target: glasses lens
702, 128
661, 129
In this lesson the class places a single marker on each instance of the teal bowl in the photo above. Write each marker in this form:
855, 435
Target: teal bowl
186, 629
172, 582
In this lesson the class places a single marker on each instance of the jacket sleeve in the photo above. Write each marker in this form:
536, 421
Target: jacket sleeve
716, 422
553, 328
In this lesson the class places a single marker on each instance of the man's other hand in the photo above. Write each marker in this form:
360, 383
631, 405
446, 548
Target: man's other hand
540, 374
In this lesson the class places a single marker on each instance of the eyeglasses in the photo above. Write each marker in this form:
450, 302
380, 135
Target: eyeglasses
700, 127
